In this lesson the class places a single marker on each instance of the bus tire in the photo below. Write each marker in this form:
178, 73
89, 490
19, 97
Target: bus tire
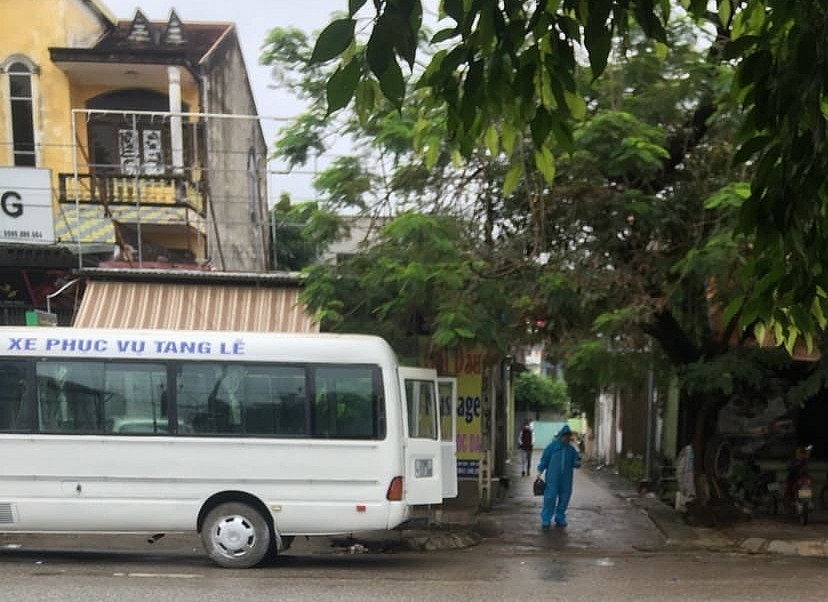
235, 536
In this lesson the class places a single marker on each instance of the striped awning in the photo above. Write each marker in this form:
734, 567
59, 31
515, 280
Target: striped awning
169, 305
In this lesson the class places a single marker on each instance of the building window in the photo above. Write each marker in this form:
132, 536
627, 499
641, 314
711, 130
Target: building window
141, 151
21, 100
125, 144
252, 186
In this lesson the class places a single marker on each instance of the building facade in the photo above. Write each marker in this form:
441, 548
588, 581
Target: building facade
127, 143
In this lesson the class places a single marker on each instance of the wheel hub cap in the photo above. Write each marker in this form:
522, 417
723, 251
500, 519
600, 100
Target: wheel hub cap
235, 536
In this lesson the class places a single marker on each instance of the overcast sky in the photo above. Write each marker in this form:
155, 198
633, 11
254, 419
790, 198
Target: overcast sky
253, 19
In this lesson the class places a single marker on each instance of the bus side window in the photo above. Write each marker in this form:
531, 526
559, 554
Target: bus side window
273, 401
12, 390
85, 409
346, 403
324, 414
53, 409
101, 397
70, 397
208, 398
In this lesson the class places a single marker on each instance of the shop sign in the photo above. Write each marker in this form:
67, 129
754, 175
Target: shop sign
26, 206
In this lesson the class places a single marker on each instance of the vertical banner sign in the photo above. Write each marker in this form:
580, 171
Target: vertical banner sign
467, 366
26, 206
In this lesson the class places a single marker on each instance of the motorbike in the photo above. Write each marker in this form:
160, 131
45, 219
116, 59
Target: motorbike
766, 494
799, 485
762, 491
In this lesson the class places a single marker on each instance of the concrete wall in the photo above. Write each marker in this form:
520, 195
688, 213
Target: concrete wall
239, 232
607, 437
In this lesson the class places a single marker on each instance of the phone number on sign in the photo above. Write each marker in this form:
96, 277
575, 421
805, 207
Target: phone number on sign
22, 234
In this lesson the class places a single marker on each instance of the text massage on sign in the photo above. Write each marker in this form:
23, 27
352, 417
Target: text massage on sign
126, 346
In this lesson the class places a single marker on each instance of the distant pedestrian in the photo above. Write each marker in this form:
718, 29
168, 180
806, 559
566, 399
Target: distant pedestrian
526, 442
558, 461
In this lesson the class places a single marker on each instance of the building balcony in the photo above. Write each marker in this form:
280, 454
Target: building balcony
143, 217
132, 191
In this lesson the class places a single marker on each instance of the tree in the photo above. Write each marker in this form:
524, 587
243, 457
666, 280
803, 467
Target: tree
500, 65
617, 250
435, 266
536, 393
291, 249
414, 280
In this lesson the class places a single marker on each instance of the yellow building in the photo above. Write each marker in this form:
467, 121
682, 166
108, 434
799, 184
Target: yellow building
126, 143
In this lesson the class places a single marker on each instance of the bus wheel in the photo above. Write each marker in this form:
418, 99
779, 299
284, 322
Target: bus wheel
235, 536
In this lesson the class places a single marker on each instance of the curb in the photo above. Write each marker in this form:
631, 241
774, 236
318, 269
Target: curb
680, 534
813, 548
434, 538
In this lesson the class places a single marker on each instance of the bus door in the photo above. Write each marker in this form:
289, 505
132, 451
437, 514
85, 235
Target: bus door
447, 390
423, 477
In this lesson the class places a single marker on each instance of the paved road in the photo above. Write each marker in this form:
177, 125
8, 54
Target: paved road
491, 571
599, 520
610, 551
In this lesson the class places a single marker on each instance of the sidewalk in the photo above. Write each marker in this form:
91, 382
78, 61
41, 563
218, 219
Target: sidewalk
781, 534
461, 527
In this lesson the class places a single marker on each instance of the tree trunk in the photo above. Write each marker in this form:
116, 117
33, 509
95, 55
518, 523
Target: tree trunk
708, 483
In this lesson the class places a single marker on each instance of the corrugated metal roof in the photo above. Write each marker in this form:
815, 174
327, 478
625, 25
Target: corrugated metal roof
178, 306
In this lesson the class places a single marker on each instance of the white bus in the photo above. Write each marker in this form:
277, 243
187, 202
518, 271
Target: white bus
249, 439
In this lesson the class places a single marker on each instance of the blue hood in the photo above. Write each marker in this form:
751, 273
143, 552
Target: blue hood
565, 430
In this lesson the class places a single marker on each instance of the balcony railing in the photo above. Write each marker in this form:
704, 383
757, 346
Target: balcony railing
158, 191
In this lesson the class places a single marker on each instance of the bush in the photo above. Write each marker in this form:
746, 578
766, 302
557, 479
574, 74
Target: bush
536, 393
632, 469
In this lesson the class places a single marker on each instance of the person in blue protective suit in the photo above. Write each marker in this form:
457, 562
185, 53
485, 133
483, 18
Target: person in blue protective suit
558, 460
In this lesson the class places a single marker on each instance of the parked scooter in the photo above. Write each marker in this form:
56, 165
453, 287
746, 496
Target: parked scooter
763, 492
799, 485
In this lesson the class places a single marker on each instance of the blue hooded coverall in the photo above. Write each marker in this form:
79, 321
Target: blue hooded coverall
558, 460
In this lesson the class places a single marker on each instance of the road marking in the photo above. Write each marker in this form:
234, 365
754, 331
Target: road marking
158, 575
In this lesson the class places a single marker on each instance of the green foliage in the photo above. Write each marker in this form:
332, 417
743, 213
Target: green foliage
740, 371
508, 64
287, 52
497, 66
633, 469
622, 145
741, 482
343, 85
594, 365
345, 181
536, 393
299, 233
300, 141
780, 87
333, 40
536, 201
414, 280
